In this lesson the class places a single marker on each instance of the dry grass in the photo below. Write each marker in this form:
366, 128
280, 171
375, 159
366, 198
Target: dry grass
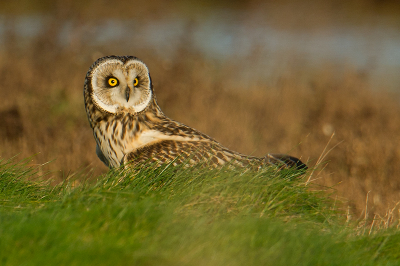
42, 112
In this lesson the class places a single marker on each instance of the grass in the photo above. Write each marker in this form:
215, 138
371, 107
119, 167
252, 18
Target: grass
172, 216
180, 216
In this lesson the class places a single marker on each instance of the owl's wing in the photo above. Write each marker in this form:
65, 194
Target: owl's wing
190, 152
101, 156
286, 161
207, 152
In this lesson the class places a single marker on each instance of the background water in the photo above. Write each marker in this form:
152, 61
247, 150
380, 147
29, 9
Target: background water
222, 34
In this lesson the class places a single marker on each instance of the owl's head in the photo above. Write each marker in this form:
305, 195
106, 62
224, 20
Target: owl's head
119, 84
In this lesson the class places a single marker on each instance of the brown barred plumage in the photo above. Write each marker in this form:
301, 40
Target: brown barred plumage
130, 128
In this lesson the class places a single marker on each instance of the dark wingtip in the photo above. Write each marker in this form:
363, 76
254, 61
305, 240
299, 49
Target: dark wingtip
297, 163
287, 160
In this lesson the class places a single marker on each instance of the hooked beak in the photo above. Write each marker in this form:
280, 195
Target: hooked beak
127, 93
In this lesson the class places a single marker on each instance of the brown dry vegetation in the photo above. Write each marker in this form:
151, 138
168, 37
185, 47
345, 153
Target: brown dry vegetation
42, 110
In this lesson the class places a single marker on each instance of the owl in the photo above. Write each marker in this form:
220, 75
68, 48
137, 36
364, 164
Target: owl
130, 128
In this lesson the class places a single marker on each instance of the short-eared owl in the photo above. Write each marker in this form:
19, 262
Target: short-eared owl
130, 128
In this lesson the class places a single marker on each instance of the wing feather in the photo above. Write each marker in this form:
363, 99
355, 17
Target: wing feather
192, 152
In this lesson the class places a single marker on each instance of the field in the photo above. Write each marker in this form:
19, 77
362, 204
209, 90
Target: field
177, 216
336, 119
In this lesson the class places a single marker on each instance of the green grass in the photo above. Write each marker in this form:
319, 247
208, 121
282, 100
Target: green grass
180, 216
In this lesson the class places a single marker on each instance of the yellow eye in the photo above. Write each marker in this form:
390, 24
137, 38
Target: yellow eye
135, 82
112, 82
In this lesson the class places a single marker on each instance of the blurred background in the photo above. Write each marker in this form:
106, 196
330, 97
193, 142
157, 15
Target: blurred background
316, 79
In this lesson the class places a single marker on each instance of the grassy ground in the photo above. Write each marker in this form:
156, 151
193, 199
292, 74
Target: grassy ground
198, 218
176, 216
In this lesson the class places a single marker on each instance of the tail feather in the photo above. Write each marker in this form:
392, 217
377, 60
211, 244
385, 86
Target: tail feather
286, 161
